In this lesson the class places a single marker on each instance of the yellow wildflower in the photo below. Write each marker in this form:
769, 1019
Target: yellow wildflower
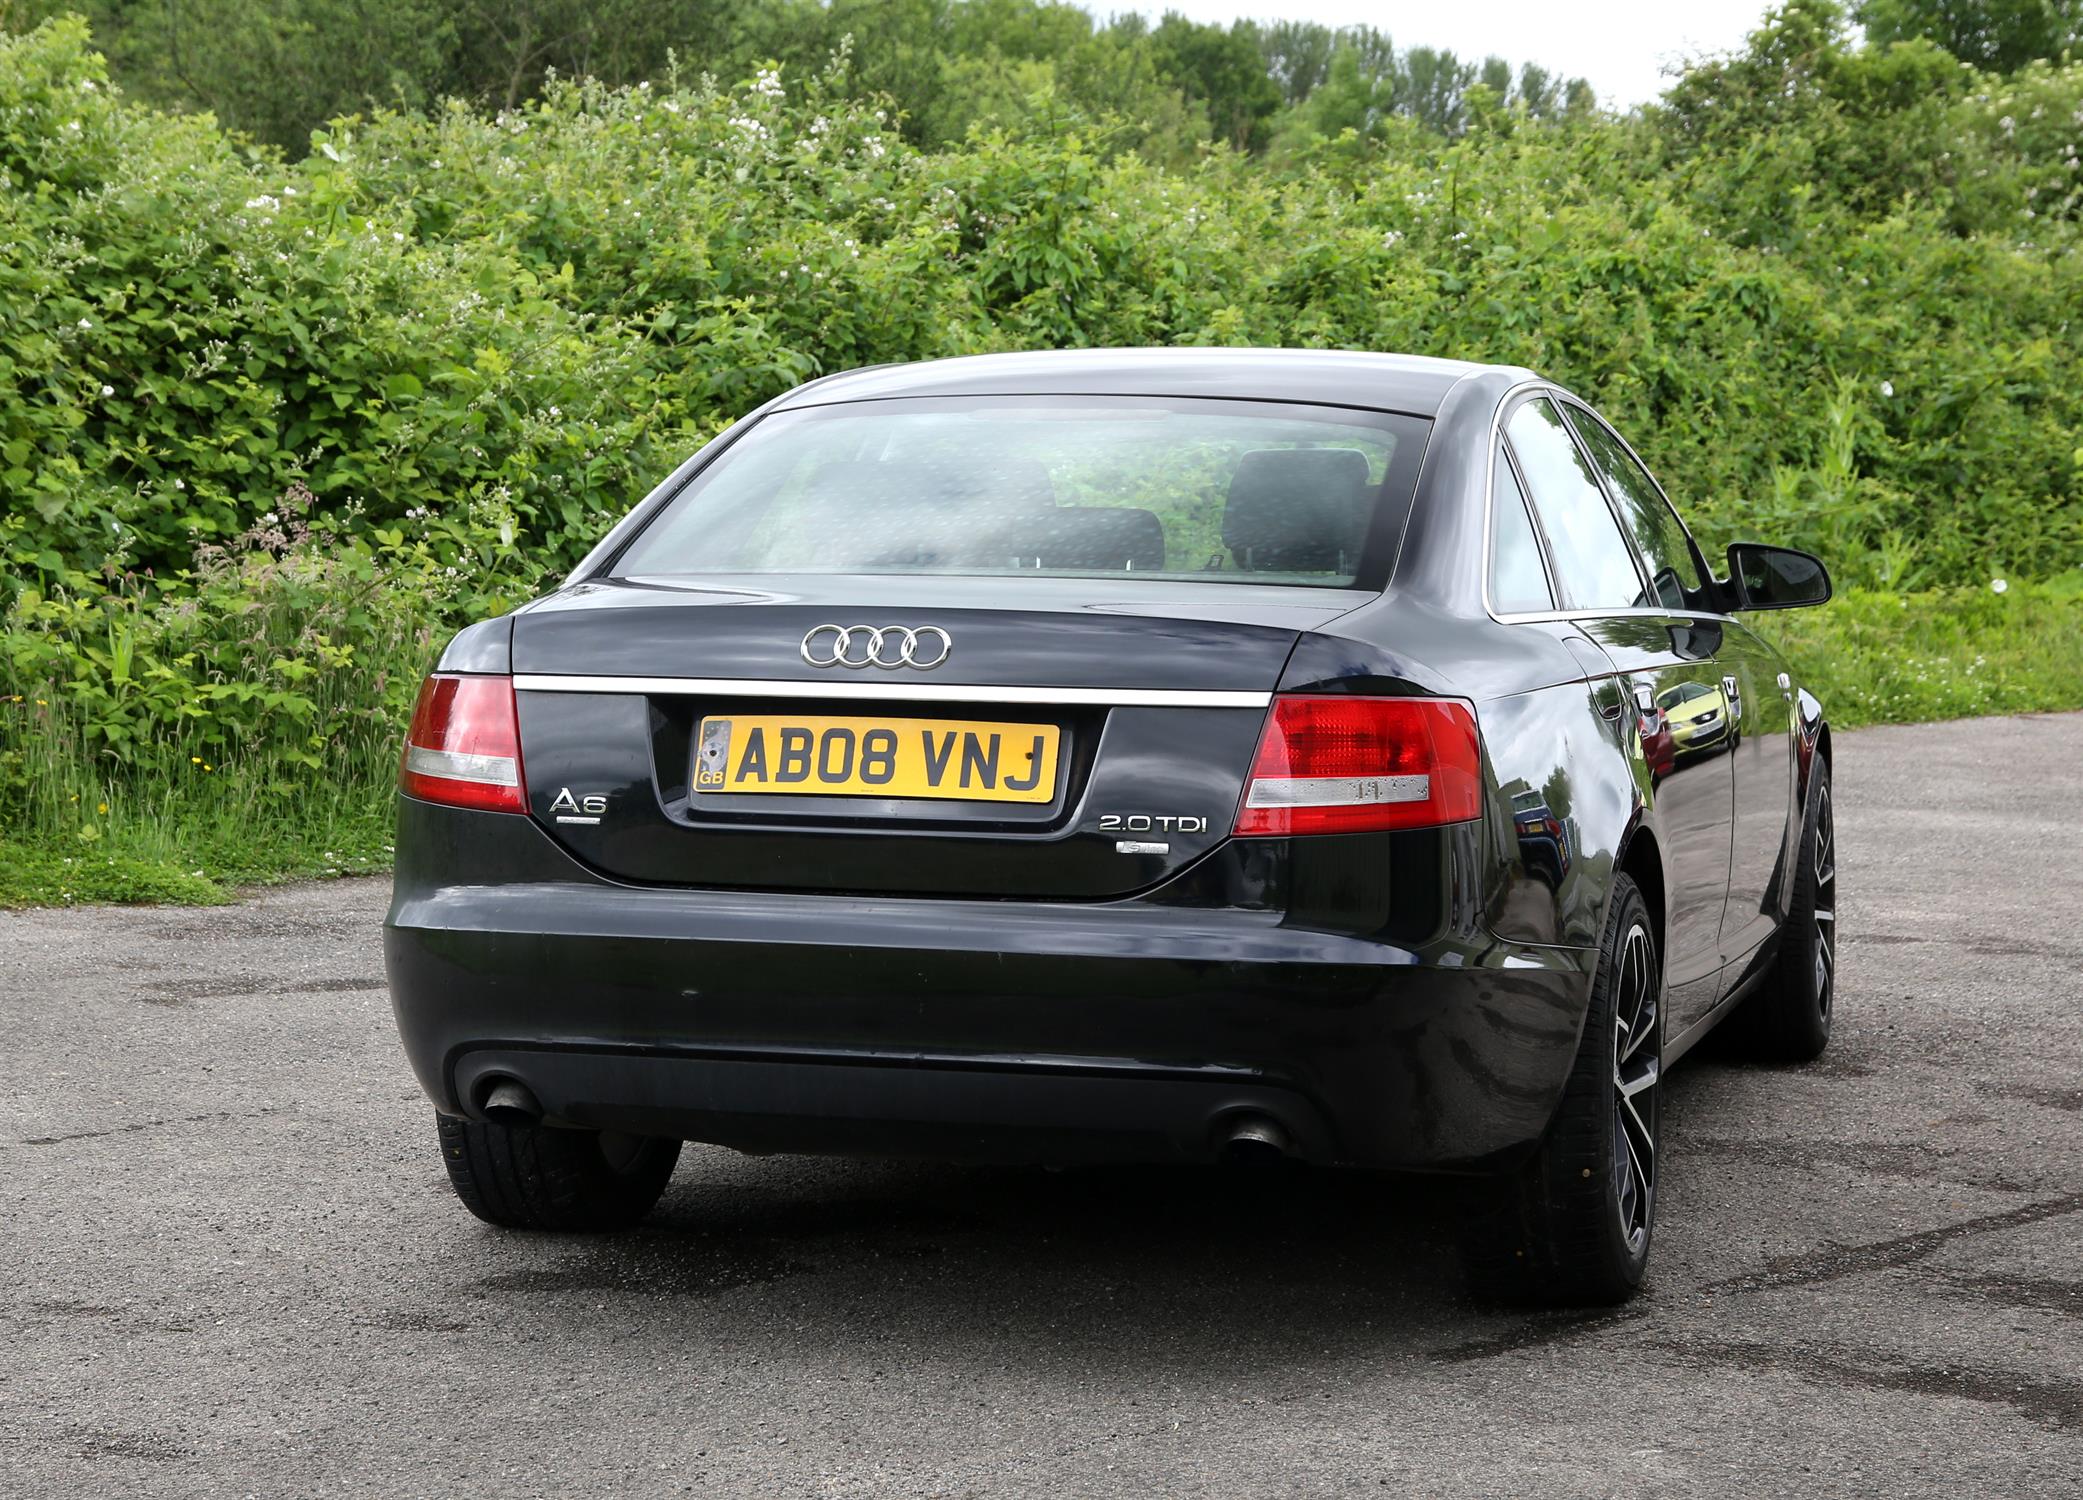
195, 760
102, 808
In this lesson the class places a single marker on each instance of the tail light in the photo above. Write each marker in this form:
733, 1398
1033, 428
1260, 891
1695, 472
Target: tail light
1355, 765
464, 746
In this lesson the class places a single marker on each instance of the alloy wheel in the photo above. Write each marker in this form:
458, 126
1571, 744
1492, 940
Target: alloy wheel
1637, 1069
1824, 871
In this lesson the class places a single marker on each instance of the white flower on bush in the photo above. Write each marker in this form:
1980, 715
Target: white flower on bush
267, 202
1998, 586
1887, 388
767, 83
108, 390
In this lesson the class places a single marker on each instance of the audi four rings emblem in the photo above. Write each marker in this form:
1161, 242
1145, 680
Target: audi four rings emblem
877, 646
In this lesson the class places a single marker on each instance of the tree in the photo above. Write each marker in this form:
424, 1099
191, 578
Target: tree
1224, 70
1999, 36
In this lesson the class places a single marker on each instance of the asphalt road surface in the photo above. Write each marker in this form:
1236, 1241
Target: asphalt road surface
230, 1263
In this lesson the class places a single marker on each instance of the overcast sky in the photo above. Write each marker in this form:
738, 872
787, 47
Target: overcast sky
1622, 46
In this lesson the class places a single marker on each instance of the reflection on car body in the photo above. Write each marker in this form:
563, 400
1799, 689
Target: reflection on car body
1543, 838
1698, 714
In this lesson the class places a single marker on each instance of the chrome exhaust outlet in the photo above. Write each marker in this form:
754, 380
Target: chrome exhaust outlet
510, 1103
1256, 1138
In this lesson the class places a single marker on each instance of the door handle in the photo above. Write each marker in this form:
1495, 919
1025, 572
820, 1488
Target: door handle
1734, 692
1645, 699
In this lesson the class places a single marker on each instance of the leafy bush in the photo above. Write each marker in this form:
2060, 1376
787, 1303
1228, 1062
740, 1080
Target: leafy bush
517, 322
248, 721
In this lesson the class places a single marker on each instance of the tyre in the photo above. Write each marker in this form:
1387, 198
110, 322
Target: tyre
1788, 1017
523, 1176
1572, 1225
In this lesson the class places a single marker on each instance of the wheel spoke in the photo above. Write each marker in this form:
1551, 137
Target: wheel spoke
1641, 1130
1637, 1069
1638, 1212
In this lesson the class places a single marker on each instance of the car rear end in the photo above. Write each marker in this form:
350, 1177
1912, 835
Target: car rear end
914, 784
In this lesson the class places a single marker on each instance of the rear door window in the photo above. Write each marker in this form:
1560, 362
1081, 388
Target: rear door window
1647, 515
1593, 565
1518, 577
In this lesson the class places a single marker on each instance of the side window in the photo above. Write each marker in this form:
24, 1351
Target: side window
1648, 516
1518, 581
1592, 562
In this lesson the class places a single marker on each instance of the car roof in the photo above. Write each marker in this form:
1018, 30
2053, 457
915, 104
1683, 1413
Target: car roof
1412, 383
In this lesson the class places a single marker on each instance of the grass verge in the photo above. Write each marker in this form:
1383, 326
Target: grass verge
1885, 658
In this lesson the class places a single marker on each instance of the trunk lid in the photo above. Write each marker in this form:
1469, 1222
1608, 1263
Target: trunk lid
1103, 729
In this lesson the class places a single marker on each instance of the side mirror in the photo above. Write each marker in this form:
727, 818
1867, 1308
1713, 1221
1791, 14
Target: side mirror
1762, 577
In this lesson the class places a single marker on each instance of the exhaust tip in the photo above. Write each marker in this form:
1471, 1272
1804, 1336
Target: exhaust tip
510, 1103
1256, 1139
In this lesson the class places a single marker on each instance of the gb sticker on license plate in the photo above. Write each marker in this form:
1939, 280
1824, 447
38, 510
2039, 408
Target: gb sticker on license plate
713, 759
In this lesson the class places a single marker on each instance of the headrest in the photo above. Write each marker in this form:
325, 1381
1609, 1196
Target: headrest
1298, 510
1088, 538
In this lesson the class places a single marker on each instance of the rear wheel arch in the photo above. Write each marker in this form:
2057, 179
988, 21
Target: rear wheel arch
1641, 860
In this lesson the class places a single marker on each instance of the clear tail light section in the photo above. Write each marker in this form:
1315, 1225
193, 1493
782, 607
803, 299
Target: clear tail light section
464, 746
1359, 765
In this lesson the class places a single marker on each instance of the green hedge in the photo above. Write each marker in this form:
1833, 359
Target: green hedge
514, 323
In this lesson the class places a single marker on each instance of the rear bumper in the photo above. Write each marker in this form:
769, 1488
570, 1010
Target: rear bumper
1129, 1030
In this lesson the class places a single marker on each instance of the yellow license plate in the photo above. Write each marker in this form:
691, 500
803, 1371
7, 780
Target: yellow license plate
943, 758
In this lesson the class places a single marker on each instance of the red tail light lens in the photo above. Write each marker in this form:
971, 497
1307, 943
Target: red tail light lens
464, 746
1354, 765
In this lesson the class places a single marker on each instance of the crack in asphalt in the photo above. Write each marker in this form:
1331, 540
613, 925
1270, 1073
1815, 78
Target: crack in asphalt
2036, 1293
137, 1125
1809, 1268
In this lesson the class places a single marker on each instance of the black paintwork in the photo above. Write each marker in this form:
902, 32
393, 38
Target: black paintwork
972, 979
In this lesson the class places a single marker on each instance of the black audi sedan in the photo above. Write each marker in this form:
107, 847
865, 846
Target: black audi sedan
1152, 755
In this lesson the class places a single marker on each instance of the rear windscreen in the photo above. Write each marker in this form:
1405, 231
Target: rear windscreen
1080, 487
